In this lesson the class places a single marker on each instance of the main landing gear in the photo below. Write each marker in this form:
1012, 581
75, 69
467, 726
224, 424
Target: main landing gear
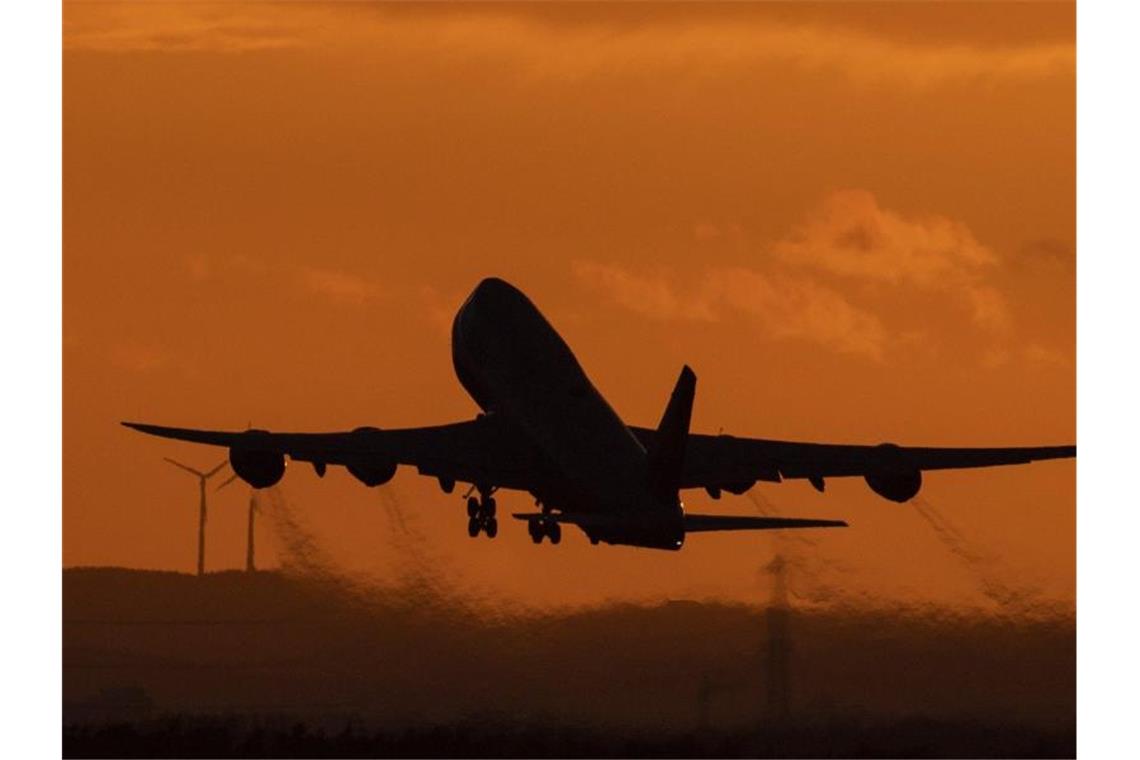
541, 527
481, 514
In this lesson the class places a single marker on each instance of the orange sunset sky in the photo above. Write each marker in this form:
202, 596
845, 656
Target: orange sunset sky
855, 222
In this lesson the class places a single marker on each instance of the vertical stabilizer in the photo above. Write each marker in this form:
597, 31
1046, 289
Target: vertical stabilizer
667, 459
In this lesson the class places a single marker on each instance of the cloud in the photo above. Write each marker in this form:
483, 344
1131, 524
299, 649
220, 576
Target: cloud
705, 46
540, 47
780, 306
1039, 354
242, 270
182, 28
988, 308
649, 295
1047, 255
833, 279
336, 285
795, 307
850, 235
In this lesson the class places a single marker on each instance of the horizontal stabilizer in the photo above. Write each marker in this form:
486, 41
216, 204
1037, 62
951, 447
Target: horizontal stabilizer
693, 523
698, 523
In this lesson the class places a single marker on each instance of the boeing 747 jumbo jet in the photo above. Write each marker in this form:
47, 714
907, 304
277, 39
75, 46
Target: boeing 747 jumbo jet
547, 430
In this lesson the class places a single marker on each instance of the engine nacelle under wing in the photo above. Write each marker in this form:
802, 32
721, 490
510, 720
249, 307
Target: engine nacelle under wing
893, 477
260, 468
372, 468
372, 473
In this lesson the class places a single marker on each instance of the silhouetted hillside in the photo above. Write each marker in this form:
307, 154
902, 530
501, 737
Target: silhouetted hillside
399, 664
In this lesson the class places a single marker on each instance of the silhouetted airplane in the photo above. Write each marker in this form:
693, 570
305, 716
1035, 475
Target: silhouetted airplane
545, 429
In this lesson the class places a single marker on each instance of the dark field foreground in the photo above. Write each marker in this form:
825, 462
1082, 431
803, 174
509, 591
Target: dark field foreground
259, 737
164, 664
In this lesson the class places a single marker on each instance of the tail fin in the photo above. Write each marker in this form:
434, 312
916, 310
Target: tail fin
667, 459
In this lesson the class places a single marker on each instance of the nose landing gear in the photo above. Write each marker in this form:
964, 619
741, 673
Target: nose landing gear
481, 513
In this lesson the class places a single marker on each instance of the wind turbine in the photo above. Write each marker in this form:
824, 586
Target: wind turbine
202, 478
249, 568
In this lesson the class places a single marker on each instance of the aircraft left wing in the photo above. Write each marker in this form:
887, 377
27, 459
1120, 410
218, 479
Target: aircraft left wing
482, 450
722, 461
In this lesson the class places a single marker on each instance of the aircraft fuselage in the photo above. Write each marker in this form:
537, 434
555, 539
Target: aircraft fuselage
515, 365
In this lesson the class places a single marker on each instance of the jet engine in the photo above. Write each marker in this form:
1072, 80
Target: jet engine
258, 467
739, 488
372, 469
892, 477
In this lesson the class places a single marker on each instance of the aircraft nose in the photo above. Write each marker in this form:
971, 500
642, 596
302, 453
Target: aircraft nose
496, 301
488, 305
493, 289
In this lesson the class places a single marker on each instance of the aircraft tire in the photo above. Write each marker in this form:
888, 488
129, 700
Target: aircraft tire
473, 527
491, 528
472, 507
489, 507
555, 533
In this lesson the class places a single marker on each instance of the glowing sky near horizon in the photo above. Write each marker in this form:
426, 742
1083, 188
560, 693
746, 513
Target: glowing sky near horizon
856, 222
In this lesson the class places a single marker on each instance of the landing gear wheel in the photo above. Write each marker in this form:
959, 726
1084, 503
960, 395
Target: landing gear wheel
555, 532
473, 527
491, 527
489, 507
534, 528
472, 507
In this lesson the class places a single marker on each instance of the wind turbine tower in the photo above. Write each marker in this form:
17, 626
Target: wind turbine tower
249, 566
202, 478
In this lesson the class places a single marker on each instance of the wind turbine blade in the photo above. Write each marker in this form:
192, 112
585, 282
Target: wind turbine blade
185, 467
229, 480
220, 466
